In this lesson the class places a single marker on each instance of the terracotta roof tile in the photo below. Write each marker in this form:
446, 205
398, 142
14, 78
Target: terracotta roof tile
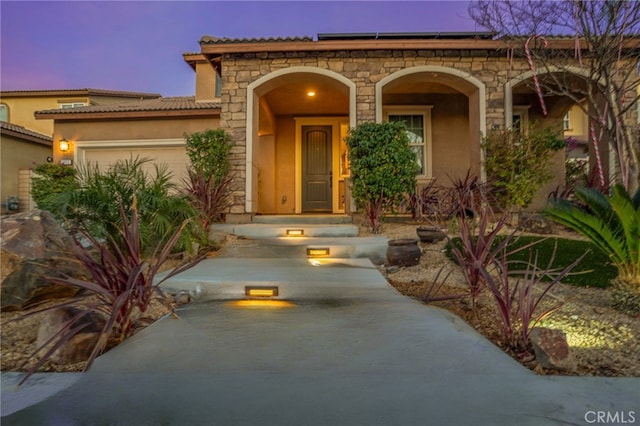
226, 40
181, 103
79, 92
6, 127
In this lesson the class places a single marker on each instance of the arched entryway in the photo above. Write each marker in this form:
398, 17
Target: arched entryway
565, 102
444, 110
296, 121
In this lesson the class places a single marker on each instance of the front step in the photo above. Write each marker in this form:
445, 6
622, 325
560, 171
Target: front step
374, 248
303, 219
263, 230
299, 236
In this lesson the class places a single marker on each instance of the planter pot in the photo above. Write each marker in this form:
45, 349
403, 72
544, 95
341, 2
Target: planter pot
403, 252
430, 234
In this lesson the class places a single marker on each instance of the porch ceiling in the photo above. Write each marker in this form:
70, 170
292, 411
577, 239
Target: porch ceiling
293, 99
429, 82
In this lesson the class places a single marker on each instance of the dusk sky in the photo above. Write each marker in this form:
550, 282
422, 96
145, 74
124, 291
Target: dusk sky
138, 45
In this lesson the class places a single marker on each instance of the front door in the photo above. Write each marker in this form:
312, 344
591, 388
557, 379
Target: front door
317, 176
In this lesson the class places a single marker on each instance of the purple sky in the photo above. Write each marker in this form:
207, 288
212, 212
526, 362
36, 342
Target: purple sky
138, 46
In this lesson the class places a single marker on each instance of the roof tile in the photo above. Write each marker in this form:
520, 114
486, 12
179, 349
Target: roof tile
10, 127
81, 92
160, 104
226, 40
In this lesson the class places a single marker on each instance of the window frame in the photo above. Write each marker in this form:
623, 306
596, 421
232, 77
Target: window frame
523, 113
70, 105
425, 112
5, 107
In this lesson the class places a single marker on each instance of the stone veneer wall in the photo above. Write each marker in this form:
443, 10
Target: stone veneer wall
365, 68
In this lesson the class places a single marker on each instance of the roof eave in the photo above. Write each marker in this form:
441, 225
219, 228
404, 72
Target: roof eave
26, 137
201, 112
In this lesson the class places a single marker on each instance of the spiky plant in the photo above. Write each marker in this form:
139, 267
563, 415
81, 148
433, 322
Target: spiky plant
121, 287
612, 223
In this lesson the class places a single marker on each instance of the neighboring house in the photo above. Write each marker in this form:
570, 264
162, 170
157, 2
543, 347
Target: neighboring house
23, 145
289, 102
18, 106
20, 150
148, 128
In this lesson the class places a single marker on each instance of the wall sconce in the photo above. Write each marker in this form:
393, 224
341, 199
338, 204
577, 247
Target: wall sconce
63, 144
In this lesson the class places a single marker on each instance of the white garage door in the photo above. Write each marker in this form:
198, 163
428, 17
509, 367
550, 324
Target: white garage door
174, 157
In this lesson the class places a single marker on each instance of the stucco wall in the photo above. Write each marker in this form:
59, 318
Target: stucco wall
285, 170
162, 128
16, 155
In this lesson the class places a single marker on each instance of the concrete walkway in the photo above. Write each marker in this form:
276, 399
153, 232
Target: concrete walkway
346, 349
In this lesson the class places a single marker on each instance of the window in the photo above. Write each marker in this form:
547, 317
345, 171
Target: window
218, 88
566, 121
418, 124
520, 118
4, 112
68, 105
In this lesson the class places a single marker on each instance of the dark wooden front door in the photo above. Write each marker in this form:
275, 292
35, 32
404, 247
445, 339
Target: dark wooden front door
316, 169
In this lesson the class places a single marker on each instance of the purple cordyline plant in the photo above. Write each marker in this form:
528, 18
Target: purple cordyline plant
518, 300
121, 287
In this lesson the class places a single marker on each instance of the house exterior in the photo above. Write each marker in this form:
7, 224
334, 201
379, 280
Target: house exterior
147, 128
26, 141
20, 149
18, 106
289, 102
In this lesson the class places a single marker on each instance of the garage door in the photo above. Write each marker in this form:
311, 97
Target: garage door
175, 158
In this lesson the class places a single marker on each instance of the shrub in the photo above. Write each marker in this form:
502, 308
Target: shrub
121, 287
612, 223
519, 301
383, 168
93, 206
484, 255
207, 186
50, 183
515, 162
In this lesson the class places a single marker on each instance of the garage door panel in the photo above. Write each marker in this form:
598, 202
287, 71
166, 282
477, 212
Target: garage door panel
175, 158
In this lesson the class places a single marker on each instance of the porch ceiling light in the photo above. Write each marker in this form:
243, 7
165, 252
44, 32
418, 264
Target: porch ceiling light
311, 93
63, 144
318, 252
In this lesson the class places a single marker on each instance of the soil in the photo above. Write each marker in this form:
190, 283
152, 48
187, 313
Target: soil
604, 342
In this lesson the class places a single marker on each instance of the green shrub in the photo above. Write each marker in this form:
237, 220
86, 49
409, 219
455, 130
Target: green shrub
383, 168
612, 223
516, 162
49, 185
209, 178
121, 287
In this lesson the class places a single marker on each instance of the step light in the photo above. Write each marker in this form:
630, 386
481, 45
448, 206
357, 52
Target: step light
295, 232
261, 291
318, 252
260, 304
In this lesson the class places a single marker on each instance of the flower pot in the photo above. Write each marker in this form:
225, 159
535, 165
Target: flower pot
403, 252
430, 234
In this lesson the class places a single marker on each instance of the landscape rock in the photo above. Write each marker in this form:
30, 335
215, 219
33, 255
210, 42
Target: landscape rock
33, 246
535, 223
79, 347
551, 349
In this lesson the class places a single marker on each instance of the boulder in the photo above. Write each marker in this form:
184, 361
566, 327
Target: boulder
536, 223
79, 347
34, 246
551, 349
